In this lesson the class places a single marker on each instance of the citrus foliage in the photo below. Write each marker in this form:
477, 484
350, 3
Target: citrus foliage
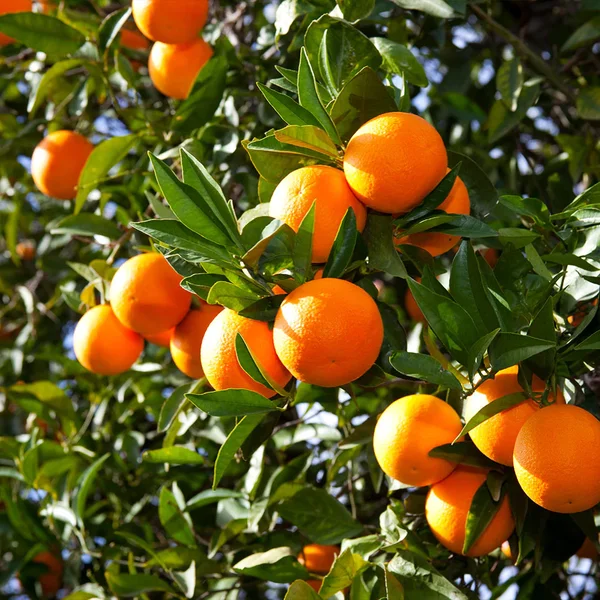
246, 460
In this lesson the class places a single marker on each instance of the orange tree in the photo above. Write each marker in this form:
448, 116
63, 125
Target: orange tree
321, 321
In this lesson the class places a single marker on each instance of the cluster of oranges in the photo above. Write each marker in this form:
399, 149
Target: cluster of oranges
542, 444
178, 53
327, 332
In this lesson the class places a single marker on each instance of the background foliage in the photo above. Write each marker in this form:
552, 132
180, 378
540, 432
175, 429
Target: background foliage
119, 473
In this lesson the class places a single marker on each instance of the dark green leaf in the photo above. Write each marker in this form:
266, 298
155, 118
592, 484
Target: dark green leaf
383, 255
87, 224
172, 515
343, 246
264, 309
124, 584
303, 245
588, 103
464, 453
287, 108
279, 565
481, 512
400, 60
422, 366
231, 296
201, 283
478, 350
232, 403
509, 81
585, 34
86, 480
111, 27
511, 348
354, 10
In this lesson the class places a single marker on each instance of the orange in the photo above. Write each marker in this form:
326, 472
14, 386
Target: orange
13, 6
490, 255
174, 68
588, 550
146, 296
104, 346
447, 506
581, 312
496, 437
160, 339
318, 558
26, 250
326, 187
187, 339
50, 581
219, 358
457, 202
328, 332
557, 458
170, 21
412, 308
133, 40
406, 432
315, 584
57, 162
393, 161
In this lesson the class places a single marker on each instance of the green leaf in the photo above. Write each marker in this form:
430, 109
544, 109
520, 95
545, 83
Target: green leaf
201, 283
232, 403
42, 32
482, 193
420, 579
459, 225
250, 364
468, 289
422, 366
196, 175
585, 34
508, 349
87, 224
319, 516
345, 569
478, 350
361, 99
124, 584
502, 121
588, 103
85, 482
393, 588
383, 255
102, 159
464, 453
191, 208
174, 455
40, 91
528, 207
516, 236
354, 10
264, 309
343, 246
509, 81
111, 27
303, 245
450, 322
591, 343
437, 8
211, 497
231, 296
481, 513
174, 233
279, 565
300, 590
491, 409
542, 327
307, 136
172, 405
398, 59
205, 97
287, 108
309, 98
177, 523
235, 439
343, 52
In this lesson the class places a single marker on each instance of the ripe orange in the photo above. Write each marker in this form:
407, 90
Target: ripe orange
133, 40
170, 21
406, 432
496, 437
412, 308
557, 458
219, 358
490, 255
457, 202
13, 6
325, 186
50, 581
588, 550
57, 162
315, 584
104, 346
174, 68
318, 558
447, 507
160, 339
187, 339
393, 161
26, 250
328, 332
146, 296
